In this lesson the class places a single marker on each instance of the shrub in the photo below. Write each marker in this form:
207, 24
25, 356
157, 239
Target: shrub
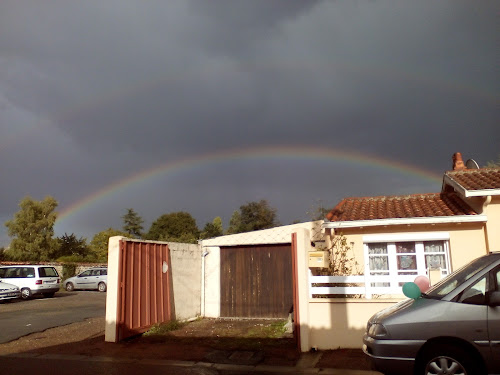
69, 270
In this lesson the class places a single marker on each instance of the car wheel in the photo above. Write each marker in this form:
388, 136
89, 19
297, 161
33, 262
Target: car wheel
26, 293
101, 287
70, 287
49, 295
441, 359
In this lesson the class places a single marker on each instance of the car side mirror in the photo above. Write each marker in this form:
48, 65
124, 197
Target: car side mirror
495, 299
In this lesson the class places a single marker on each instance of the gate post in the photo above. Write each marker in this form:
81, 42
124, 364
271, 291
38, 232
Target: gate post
113, 288
302, 245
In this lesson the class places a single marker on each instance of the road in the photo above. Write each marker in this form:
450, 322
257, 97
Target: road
61, 365
19, 318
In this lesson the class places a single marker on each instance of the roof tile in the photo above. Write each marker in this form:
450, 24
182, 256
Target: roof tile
393, 207
476, 179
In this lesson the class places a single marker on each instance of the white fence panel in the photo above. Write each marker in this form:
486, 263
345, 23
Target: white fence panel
363, 285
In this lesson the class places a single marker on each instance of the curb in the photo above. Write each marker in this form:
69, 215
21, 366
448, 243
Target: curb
218, 366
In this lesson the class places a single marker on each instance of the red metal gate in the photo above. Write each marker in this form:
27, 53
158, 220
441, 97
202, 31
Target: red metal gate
144, 280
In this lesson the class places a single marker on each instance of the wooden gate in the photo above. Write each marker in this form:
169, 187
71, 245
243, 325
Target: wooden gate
256, 281
144, 287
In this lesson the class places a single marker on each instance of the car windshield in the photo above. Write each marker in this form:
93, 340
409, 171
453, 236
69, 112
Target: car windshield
458, 277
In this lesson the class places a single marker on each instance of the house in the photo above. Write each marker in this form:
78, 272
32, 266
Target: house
396, 238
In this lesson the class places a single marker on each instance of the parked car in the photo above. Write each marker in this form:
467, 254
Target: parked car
94, 278
9, 291
454, 328
32, 279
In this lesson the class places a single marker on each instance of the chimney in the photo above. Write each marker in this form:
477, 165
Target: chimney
458, 163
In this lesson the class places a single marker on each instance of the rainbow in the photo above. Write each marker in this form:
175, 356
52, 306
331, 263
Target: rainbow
258, 153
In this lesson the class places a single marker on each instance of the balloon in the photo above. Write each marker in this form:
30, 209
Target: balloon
423, 283
411, 290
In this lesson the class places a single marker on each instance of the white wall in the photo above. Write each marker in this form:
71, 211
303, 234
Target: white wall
186, 279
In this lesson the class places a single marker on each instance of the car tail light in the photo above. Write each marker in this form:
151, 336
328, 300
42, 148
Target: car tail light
58, 281
38, 282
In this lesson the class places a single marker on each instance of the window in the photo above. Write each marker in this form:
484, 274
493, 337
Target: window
406, 257
379, 262
401, 258
497, 279
47, 272
475, 294
27, 272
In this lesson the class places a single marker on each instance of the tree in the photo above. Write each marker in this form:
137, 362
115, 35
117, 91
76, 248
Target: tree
318, 211
132, 223
253, 216
234, 223
33, 229
175, 227
213, 229
99, 243
70, 246
493, 164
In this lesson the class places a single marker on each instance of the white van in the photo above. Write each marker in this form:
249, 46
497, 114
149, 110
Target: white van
32, 279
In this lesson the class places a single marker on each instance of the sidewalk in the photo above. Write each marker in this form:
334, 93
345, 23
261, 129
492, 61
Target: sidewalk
305, 365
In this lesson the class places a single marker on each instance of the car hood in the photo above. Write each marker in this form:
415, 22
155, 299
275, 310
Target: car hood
6, 287
382, 314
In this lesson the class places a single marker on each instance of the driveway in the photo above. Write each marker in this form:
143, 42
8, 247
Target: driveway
20, 318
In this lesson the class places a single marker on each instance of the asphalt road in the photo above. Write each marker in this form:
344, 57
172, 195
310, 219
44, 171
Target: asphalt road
19, 318
64, 365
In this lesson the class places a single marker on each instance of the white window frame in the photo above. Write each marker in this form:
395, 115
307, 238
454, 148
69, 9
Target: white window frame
395, 279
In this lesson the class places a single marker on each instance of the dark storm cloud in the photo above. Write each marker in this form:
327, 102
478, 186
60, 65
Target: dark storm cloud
93, 91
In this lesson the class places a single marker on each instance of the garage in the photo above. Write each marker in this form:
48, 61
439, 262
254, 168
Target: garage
256, 281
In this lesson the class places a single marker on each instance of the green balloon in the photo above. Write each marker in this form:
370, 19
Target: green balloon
411, 290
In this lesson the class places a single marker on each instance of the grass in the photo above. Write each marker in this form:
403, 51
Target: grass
164, 328
230, 336
272, 331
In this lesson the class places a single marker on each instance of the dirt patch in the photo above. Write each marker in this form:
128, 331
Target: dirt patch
209, 340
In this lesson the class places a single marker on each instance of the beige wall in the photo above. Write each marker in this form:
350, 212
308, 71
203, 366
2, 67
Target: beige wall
467, 240
341, 323
493, 224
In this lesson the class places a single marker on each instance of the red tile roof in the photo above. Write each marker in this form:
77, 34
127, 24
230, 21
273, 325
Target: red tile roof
476, 179
393, 207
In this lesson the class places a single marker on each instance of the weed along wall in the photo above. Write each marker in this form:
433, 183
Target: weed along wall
150, 282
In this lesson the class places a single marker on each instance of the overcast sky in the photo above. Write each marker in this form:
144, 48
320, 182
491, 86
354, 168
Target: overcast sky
95, 92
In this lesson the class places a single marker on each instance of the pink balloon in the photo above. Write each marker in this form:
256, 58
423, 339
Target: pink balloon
423, 283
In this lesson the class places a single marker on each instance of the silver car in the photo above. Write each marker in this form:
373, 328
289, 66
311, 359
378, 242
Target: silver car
454, 328
9, 291
94, 278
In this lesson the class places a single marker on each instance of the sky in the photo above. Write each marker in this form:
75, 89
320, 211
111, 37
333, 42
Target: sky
203, 106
